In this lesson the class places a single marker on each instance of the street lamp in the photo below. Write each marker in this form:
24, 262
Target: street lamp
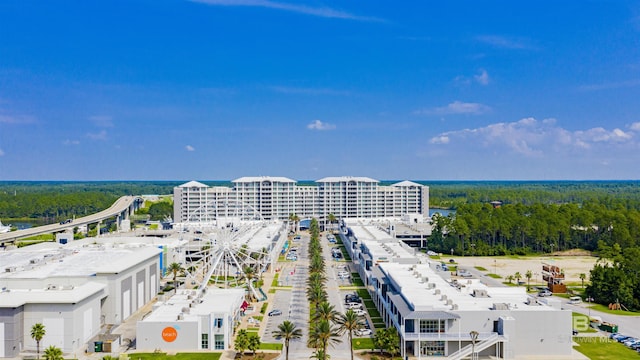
474, 337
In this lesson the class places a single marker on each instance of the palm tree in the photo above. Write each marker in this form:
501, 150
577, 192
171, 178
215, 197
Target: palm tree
510, 279
316, 295
319, 354
175, 268
332, 219
528, 275
37, 333
322, 335
53, 353
287, 331
349, 322
326, 311
582, 277
294, 219
517, 276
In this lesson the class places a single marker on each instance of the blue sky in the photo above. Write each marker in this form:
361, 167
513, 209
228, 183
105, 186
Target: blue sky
219, 89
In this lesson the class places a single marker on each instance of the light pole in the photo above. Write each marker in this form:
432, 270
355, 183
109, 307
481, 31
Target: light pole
474, 337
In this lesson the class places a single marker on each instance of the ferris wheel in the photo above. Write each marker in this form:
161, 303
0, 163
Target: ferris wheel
227, 255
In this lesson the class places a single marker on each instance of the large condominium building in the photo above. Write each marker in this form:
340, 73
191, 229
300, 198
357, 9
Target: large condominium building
275, 198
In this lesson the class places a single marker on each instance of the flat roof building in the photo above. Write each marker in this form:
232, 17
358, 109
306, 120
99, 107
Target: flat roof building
436, 314
192, 320
275, 198
73, 290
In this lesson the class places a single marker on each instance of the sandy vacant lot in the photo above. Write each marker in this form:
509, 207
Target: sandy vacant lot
573, 266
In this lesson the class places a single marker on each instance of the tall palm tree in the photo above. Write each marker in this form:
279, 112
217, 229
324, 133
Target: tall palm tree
316, 295
582, 277
326, 311
37, 333
349, 322
528, 275
175, 268
53, 353
332, 219
322, 335
517, 276
287, 331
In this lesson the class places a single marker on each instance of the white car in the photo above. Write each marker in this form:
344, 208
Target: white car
364, 332
360, 312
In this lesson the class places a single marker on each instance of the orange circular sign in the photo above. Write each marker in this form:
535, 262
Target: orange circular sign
169, 334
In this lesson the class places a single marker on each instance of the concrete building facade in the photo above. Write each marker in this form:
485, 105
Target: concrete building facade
275, 198
441, 315
192, 320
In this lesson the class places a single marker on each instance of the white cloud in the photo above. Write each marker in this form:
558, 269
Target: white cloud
190, 148
17, 119
456, 107
530, 137
505, 42
71, 142
1, 152
319, 125
308, 91
102, 135
324, 11
482, 78
635, 126
101, 120
611, 85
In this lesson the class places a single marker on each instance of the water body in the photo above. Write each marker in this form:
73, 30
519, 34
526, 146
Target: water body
443, 212
25, 224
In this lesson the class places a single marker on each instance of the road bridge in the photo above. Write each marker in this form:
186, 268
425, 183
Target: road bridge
121, 210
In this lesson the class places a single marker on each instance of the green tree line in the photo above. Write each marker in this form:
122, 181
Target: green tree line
481, 229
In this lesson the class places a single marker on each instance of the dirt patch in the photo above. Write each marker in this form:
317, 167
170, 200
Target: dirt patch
573, 252
258, 356
572, 266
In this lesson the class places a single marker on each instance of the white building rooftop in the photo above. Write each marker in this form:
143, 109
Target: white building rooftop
347, 178
249, 179
425, 290
190, 306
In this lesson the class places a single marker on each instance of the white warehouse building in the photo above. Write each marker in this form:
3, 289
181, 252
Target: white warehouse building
276, 198
73, 290
437, 314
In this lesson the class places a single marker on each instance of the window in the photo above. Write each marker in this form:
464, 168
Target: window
217, 323
204, 343
219, 342
432, 348
431, 326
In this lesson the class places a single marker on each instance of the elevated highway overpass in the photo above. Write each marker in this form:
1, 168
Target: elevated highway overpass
121, 209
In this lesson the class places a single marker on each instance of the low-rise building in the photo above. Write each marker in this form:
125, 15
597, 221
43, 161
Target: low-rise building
192, 320
437, 315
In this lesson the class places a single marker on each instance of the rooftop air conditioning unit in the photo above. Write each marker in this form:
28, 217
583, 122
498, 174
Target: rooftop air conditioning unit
34, 261
181, 316
52, 287
10, 269
443, 298
437, 291
455, 307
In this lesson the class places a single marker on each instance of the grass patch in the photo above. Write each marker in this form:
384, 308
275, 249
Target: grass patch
271, 291
480, 268
364, 294
605, 309
41, 237
602, 348
178, 356
584, 319
509, 284
434, 257
494, 276
362, 343
258, 317
275, 280
263, 309
270, 346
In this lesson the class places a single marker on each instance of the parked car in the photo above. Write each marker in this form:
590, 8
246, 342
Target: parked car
544, 293
354, 306
275, 312
360, 312
363, 332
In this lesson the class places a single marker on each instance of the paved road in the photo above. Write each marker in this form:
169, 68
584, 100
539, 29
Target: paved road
627, 325
119, 206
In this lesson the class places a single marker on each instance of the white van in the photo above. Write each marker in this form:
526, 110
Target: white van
575, 300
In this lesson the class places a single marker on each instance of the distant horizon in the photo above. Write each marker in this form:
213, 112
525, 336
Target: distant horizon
312, 180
